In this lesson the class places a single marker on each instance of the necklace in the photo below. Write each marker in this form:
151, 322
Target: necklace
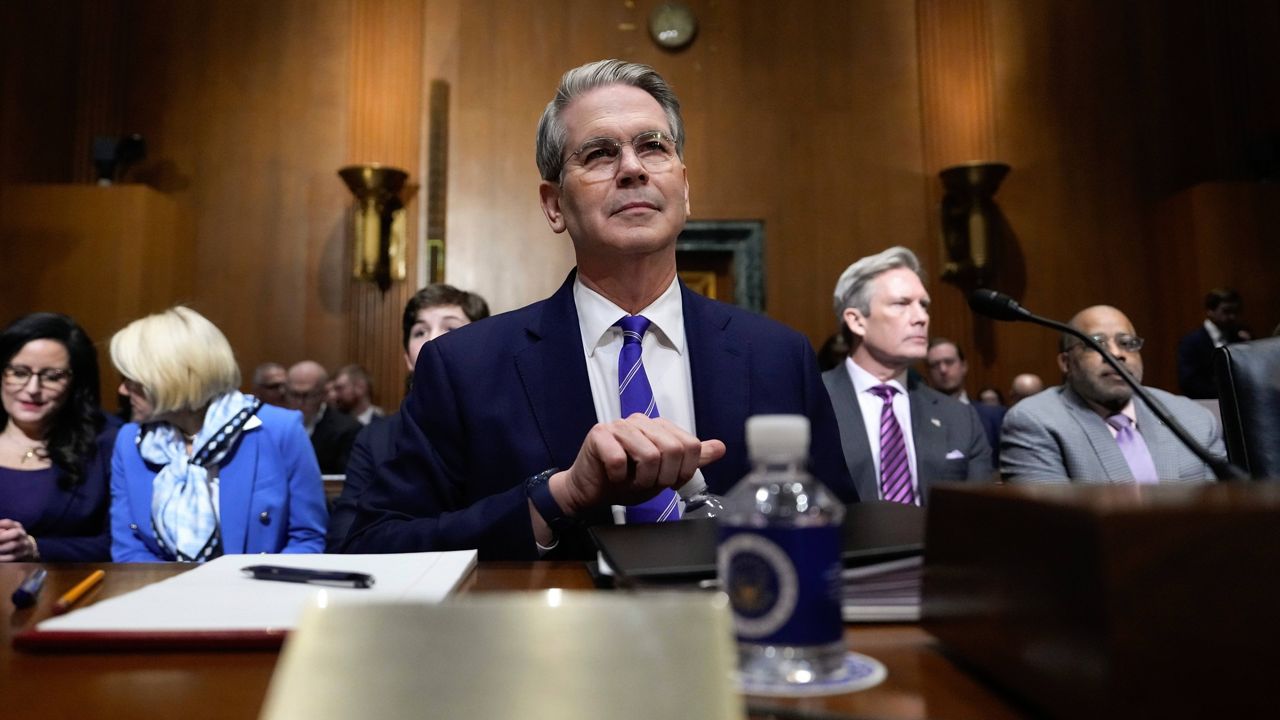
31, 453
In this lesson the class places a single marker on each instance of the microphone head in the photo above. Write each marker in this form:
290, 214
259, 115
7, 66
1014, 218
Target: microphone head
996, 305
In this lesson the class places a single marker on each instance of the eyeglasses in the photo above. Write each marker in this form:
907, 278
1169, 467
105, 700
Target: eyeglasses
312, 394
598, 158
1124, 341
18, 375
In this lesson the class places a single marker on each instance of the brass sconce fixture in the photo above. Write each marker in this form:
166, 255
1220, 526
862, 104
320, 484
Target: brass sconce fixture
379, 222
973, 228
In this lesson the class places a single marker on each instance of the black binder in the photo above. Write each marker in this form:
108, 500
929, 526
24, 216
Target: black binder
684, 552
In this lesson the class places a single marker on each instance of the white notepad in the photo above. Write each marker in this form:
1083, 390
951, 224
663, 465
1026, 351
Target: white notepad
217, 596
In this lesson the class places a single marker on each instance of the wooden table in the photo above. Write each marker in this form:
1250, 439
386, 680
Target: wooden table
232, 684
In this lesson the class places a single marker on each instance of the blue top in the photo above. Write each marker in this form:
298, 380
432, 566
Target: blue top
24, 494
69, 525
270, 494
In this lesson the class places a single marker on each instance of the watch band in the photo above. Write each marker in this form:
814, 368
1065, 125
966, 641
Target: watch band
538, 488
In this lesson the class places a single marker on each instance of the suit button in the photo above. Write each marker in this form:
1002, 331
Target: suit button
134, 527
264, 517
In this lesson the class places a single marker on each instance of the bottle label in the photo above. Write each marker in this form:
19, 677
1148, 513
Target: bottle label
783, 583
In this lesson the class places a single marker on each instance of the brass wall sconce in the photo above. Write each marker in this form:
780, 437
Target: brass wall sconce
379, 222
973, 228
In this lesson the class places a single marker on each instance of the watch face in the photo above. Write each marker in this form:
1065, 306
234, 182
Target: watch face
672, 25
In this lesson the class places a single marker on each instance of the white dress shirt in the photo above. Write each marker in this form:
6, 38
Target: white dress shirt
1219, 340
664, 353
871, 406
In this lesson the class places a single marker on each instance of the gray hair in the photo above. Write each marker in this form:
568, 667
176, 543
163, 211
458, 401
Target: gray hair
552, 134
853, 289
260, 372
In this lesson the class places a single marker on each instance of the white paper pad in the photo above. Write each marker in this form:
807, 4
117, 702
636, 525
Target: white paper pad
218, 596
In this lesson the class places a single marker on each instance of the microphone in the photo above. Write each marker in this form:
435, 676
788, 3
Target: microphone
998, 306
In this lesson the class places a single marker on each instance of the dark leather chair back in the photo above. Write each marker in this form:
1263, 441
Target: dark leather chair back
1248, 377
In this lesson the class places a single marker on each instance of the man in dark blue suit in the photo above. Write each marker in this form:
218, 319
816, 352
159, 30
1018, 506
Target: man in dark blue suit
1195, 351
512, 439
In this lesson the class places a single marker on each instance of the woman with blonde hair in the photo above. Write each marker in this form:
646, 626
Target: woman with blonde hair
203, 469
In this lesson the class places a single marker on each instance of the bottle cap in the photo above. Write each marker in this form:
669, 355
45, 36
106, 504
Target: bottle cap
777, 436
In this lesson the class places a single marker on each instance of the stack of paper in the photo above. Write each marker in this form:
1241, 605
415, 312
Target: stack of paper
883, 592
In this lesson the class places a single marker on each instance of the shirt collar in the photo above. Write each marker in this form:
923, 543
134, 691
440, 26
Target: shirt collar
597, 315
863, 381
1130, 412
1215, 334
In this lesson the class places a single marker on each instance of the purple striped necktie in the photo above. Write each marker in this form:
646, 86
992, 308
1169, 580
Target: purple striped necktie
636, 396
895, 472
1134, 448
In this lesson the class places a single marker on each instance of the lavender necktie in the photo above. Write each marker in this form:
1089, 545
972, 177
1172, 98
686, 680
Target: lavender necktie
636, 396
1134, 449
895, 472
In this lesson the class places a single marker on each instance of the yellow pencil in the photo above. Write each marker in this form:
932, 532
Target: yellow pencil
65, 602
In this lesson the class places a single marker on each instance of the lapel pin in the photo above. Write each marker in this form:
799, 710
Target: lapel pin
936, 422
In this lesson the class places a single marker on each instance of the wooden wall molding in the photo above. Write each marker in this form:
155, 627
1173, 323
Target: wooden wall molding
958, 125
385, 126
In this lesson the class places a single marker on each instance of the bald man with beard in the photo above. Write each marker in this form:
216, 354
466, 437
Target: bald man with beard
1090, 429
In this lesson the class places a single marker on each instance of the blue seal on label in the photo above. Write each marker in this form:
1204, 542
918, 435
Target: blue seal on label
783, 583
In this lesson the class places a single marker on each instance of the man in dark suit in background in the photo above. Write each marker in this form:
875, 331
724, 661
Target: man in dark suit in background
948, 370
1195, 350
332, 432
513, 438
269, 383
899, 436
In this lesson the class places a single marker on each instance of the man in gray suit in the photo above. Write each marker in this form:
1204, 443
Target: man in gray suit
898, 435
1091, 430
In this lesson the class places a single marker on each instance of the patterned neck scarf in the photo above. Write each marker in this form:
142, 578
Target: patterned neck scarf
184, 504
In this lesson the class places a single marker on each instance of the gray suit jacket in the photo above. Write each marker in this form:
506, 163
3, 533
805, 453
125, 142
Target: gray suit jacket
940, 426
1054, 436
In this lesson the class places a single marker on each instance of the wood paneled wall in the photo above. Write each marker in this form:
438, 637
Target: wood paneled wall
828, 120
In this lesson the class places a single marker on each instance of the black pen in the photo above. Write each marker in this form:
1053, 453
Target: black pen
27, 593
337, 578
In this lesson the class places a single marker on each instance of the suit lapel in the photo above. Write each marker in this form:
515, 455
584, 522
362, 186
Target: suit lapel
1095, 430
1161, 442
853, 435
719, 370
553, 371
235, 491
927, 434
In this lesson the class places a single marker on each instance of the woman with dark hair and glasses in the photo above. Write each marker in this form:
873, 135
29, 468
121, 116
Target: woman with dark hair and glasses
55, 446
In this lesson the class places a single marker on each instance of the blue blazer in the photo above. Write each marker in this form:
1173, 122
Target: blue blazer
270, 495
503, 399
73, 526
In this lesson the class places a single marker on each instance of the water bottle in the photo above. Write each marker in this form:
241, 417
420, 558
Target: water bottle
779, 561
